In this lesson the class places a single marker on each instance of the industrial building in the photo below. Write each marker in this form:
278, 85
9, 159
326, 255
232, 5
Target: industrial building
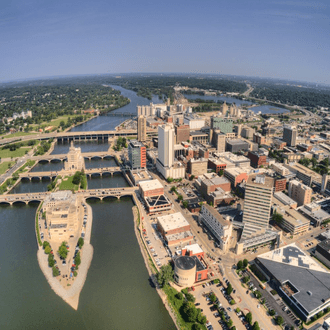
300, 278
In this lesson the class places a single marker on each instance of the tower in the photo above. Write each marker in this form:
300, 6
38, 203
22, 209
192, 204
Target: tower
290, 135
166, 139
142, 129
75, 160
257, 205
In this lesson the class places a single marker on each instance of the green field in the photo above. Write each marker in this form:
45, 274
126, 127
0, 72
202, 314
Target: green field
6, 153
67, 184
4, 166
17, 134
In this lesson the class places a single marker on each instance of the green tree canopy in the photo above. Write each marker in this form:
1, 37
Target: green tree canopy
80, 242
240, 265
229, 289
248, 317
255, 326
279, 320
63, 251
165, 275
77, 259
245, 263
277, 217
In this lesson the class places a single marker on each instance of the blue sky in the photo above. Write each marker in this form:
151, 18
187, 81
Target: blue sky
265, 38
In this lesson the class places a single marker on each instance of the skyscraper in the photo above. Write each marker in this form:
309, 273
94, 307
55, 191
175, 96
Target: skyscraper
166, 140
137, 154
290, 135
257, 204
142, 128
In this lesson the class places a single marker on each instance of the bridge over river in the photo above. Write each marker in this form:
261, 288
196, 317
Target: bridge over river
53, 174
100, 194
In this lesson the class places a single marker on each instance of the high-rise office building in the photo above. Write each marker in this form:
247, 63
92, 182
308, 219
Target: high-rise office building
257, 205
142, 129
290, 135
166, 140
137, 155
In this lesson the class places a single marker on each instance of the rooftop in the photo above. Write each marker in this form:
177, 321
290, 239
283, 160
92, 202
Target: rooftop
172, 221
185, 262
194, 248
325, 245
261, 180
291, 265
216, 215
150, 185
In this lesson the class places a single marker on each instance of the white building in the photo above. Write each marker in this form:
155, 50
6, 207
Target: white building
165, 161
220, 228
195, 123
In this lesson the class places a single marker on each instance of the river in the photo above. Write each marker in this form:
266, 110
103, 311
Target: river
106, 123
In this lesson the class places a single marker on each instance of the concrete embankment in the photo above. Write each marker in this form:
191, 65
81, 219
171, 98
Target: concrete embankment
70, 294
162, 295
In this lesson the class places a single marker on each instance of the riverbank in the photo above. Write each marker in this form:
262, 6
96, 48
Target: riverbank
71, 293
147, 259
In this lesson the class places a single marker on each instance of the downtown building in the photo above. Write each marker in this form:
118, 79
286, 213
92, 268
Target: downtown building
165, 163
137, 155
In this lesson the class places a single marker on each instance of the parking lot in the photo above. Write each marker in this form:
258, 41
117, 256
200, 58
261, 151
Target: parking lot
275, 303
210, 312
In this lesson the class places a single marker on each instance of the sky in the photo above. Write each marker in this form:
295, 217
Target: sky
265, 38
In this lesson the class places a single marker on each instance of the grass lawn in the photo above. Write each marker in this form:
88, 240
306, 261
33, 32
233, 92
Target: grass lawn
4, 166
67, 184
6, 153
7, 136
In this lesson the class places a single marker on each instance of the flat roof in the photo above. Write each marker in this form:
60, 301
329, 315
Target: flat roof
150, 185
261, 180
236, 141
194, 248
172, 221
216, 215
325, 245
236, 170
185, 262
285, 199
291, 264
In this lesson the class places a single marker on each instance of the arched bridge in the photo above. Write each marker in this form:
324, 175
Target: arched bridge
53, 174
100, 194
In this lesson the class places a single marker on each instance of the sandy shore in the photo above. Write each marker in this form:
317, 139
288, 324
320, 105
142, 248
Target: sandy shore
71, 294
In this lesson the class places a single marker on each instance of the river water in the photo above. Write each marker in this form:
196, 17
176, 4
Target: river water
106, 123
116, 294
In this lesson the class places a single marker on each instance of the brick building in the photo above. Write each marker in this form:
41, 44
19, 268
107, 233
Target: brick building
258, 159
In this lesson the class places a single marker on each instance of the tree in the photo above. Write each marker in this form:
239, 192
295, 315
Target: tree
56, 272
192, 314
185, 204
271, 312
80, 242
220, 173
279, 320
165, 275
213, 298
255, 326
173, 189
246, 279
314, 161
248, 317
63, 251
77, 259
230, 323
190, 297
277, 217
245, 263
257, 294
179, 296
201, 318
51, 261
75, 274
47, 249
44, 244
180, 197
192, 177
229, 289
240, 265
197, 326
